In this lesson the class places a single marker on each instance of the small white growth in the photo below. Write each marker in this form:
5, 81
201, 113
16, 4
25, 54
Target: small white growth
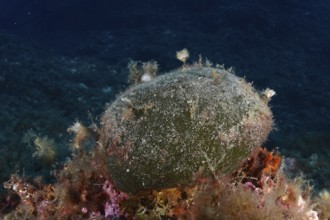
15, 187
124, 99
84, 210
268, 93
312, 215
182, 55
325, 195
146, 77
301, 203
76, 127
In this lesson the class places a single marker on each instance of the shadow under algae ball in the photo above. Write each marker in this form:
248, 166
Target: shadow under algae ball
160, 133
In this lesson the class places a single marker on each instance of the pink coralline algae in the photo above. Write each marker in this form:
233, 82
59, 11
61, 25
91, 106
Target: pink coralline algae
112, 207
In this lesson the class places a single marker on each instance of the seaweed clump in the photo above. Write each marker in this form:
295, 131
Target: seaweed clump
84, 191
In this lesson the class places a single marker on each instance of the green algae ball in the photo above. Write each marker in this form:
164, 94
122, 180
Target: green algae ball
160, 133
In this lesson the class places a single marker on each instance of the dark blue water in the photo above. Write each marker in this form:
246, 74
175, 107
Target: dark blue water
64, 60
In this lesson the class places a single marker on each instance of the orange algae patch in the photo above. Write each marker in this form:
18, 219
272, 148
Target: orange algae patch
261, 162
272, 163
172, 202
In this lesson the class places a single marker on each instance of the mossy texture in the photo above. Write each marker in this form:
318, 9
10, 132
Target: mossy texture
159, 134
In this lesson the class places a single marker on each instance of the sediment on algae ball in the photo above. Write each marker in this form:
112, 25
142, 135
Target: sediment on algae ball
160, 133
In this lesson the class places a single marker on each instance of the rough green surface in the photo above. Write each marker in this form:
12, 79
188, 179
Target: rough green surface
160, 133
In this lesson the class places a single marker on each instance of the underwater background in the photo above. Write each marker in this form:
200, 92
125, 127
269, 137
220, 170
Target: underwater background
62, 61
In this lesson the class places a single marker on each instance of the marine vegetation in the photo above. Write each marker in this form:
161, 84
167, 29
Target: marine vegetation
183, 145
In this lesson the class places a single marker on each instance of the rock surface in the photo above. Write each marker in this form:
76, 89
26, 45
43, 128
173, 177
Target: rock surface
159, 134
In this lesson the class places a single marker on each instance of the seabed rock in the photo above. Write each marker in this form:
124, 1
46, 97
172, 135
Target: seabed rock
160, 133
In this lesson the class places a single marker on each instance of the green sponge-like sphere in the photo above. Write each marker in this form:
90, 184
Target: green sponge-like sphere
160, 133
